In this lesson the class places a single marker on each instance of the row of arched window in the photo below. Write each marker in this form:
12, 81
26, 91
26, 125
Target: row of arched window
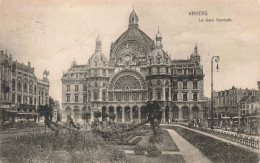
23, 86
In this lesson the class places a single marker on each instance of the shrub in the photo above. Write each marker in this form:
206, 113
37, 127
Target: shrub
139, 150
153, 151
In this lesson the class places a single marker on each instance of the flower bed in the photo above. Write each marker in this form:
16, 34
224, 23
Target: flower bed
217, 150
62, 146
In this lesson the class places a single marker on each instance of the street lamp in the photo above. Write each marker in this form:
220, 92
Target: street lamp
216, 60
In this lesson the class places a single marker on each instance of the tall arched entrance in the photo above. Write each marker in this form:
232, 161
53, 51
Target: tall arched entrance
185, 113
127, 114
175, 113
119, 113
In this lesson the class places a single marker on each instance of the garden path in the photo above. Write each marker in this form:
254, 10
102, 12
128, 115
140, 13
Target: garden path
190, 153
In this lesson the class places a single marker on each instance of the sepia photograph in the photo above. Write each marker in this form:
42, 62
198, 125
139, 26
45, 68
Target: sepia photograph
138, 81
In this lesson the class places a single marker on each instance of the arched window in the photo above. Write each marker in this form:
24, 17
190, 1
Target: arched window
19, 85
25, 87
13, 85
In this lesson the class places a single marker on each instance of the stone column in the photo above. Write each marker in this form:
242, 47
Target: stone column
100, 95
92, 116
139, 114
180, 114
123, 114
131, 114
170, 114
163, 93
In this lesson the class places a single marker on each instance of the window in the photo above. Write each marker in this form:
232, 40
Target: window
118, 96
110, 96
175, 85
175, 96
68, 98
76, 87
13, 98
68, 88
135, 96
84, 97
158, 95
89, 95
167, 70
195, 85
104, 95
185, 97
126, 96
167, 93
19, 99
172, 71
104, 72
151, 95
150, 71
13, 85
158, 70
184, 85
31, 89
96, 96
84, 87
76, 98
25, 87
24, 99
195, 97
31, 100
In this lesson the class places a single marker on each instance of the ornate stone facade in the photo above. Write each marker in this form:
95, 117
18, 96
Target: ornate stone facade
21, 92
138, 70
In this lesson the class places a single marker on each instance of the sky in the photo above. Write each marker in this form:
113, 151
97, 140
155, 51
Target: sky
51, 33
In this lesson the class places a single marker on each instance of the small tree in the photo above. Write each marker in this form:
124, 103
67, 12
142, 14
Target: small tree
112, 116
86, 116
97, 114
104, 116
154, 114
46, 112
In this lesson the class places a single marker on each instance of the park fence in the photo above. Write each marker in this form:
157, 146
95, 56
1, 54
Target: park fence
241, 139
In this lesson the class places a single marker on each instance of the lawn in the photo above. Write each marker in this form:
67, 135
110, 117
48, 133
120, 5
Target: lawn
161, 159
216, 150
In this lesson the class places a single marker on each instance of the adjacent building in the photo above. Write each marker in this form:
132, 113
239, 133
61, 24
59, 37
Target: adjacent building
138, 70
249, 104
228, 102
21, 91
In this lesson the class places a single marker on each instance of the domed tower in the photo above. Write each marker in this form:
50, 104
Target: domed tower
74, 63
195, 57
97, 77
133, 19
159, 73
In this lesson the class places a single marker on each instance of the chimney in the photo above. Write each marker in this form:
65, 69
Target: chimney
29, 64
